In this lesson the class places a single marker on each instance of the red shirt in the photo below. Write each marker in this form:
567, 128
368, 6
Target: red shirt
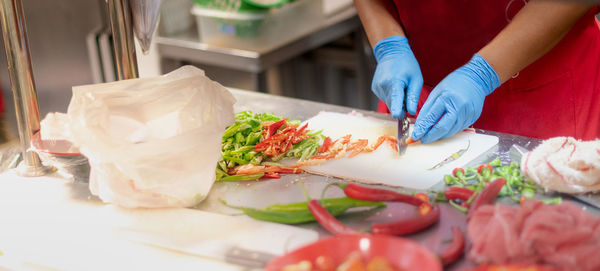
558, 95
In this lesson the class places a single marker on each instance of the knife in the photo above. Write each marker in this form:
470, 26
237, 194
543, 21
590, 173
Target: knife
215, 250
403, 125
516, 152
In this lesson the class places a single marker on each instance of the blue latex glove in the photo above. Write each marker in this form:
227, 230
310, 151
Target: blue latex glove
457, 100
397, 72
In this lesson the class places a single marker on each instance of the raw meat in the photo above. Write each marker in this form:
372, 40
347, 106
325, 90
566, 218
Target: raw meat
564, 236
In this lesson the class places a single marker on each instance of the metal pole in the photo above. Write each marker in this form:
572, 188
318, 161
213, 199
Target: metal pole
23, 87
123, 43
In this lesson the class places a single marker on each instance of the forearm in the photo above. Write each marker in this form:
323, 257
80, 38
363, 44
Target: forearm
536, 29
379, 19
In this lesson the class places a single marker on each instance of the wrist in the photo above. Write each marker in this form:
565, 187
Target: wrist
482, 73
391, 45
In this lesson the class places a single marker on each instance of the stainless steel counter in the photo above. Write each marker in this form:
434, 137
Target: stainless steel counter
288, 189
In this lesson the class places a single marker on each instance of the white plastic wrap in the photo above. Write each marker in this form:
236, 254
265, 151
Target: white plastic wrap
151, 142
565, 164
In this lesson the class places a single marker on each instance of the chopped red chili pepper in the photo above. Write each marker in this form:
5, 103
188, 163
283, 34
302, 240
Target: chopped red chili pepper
460, 193
326, 145
408, 226
274, 127
410, 140
488, 194
458, 171
423, 197
272, 175
375, 194
328, 221
484, 166
424, 209
455, 249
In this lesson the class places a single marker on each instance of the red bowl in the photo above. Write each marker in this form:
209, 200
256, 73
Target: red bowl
402, 253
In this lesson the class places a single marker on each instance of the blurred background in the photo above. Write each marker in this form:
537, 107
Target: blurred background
310, 49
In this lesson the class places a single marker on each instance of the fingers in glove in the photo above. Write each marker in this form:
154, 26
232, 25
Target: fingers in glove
442, 129
432, 111
396, 100
412, 95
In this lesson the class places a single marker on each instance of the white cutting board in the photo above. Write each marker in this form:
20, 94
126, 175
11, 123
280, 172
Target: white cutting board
384, 166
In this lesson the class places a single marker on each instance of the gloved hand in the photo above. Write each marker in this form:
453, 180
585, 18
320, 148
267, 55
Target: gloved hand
397, 72
457, 100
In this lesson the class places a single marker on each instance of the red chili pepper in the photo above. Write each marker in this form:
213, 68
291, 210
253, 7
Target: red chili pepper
326, 145
287, 170
460, 193
410, 140
423, 197
481, 167
456, 171
374, 194
488, 194
424, 209
328, 221
455, 249
272, 175
408, 226
274, 127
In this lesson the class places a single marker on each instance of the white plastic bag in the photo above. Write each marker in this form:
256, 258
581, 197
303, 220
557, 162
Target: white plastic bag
151, 142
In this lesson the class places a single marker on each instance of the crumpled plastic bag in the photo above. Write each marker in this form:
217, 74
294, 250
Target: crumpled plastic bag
151, 142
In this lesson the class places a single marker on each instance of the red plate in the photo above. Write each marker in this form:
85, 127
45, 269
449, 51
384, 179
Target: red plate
402, 253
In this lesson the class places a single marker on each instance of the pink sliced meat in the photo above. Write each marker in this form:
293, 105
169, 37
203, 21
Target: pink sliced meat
564, 235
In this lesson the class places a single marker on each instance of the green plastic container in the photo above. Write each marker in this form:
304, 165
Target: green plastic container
230, 5
243, 24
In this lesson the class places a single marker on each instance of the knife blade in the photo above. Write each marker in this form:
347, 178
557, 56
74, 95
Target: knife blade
403, 125
517, 152
220, 251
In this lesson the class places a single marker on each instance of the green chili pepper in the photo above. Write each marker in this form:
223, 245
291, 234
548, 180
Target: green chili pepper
242, 150
256, 160
527, 193
495, 163
239, 138
557, 200
239, 178
449, 179
253, 138
296, 213
234, 159
330, 202
249, 155
440, 196
458, 207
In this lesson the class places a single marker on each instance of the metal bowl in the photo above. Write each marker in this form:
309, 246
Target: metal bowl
63, 156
